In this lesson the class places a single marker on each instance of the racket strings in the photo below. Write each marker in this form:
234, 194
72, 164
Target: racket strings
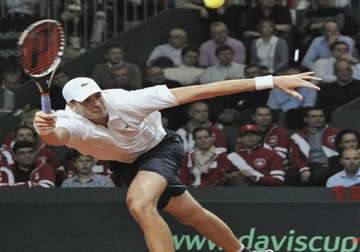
45, 59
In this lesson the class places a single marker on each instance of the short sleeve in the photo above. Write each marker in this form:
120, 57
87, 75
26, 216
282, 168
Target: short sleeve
142, 102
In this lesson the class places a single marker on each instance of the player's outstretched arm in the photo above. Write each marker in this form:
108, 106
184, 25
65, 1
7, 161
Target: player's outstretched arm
287, 83
48, 132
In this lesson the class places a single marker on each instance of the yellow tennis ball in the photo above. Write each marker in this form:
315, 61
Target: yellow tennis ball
214, 4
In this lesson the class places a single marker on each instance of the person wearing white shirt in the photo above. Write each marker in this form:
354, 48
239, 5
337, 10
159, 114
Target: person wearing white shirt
125, 127
172, 50
350, 176
269, 50
188, 73
226, 69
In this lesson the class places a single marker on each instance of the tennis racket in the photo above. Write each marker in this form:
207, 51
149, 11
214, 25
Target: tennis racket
40, 47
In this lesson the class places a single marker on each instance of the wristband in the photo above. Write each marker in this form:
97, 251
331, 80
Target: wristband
264, 82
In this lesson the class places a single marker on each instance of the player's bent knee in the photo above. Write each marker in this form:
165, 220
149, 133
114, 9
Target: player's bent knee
140, 208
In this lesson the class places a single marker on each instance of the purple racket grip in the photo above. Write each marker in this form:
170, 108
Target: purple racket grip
45, 103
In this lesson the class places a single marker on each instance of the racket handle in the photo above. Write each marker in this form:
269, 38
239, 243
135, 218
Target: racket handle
46, 103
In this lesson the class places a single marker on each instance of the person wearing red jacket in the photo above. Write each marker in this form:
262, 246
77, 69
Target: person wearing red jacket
205, 165
199, 117
274, 136
312, 147
259, 165
43, 152
27, 171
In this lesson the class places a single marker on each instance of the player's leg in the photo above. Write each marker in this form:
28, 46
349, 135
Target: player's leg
189, 212
142, 198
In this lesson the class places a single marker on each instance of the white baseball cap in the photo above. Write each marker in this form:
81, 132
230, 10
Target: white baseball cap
79, 89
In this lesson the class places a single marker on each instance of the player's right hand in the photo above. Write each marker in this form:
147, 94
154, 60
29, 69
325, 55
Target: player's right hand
44, 123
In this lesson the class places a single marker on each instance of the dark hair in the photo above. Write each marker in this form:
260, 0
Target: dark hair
25, 127
335, 44
196, 130
75, 155
108, 48
260, 107
266, 20
187, 49
340, 135
308, 109
22, 144
162, 61
222, 48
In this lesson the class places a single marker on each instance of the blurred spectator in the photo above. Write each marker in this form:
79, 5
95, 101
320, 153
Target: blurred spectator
268, 9
278, 99
23, 8
273, 135
176, 42
73, 19
122, 80
27, 170
100, 167
114, 57
312, 147
154, 75
199, 117
258, 165
226, 69
205, 165
188, 73
42, 152
219, 34
313, 24
269, 50
324, 68
320, 46
350, 176
345, 139
10, 80
342, 91
85, 176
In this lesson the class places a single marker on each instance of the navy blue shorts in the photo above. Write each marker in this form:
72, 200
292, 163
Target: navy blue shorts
164, 159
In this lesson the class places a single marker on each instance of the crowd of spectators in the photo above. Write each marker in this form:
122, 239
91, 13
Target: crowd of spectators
238, 140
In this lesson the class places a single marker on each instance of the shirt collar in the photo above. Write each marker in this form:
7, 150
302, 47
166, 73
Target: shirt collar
92, 177
219, 66
343, 174
271, 41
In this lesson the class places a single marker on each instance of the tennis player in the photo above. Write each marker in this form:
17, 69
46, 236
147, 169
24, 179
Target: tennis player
125, 127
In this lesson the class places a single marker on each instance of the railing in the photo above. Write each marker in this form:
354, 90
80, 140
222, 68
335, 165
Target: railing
87, 22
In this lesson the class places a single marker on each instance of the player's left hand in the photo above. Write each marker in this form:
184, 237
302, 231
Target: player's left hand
289, 83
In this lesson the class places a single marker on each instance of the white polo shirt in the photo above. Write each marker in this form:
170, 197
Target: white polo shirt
341, 179
134, 125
